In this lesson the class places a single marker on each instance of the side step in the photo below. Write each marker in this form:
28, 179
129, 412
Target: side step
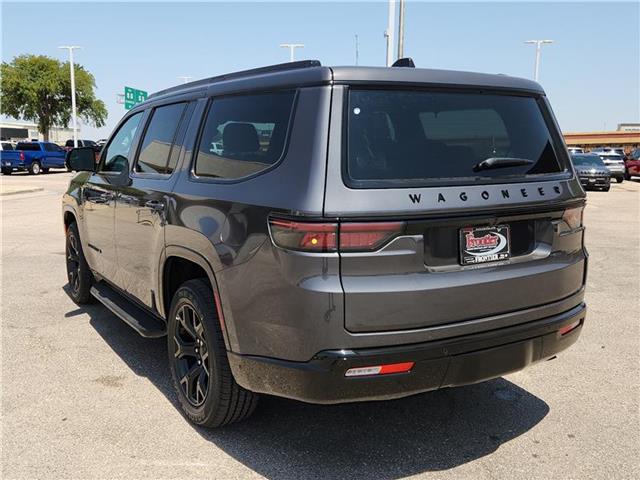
137, 318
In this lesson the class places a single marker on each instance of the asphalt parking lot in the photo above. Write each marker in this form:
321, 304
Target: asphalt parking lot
83, 396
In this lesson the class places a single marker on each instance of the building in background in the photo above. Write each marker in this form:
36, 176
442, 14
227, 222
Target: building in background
627, 136
21, 131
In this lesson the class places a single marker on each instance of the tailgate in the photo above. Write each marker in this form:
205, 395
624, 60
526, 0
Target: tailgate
418, 280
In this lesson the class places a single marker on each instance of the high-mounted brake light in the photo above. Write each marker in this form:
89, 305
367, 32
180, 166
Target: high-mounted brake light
403, 367
331, 237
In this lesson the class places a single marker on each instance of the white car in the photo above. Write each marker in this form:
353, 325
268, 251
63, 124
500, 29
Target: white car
615, 164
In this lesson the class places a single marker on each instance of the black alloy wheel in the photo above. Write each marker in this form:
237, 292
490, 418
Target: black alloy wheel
191, 355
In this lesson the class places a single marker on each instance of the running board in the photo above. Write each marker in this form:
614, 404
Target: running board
141, 321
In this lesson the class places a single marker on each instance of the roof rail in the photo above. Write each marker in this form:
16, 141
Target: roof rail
281, 67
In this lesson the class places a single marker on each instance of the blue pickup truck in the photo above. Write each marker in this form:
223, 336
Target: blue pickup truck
35, 157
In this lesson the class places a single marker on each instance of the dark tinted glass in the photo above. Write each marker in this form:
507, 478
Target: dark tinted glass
69, 143
7, 146
158, 139
243, 135
587, 160
33, 147
88, 143
411, 137
116, 154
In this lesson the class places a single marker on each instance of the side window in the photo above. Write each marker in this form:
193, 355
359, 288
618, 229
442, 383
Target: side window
48, 147
243, 135
116, 155
158, 140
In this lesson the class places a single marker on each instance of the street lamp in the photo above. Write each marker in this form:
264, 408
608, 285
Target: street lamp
537, 43
74, 123
291, 47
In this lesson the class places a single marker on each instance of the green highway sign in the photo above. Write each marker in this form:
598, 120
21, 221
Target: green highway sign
133, 96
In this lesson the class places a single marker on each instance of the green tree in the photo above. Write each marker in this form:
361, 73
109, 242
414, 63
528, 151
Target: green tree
38, 88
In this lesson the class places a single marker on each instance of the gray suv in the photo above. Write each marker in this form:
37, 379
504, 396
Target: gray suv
333, 234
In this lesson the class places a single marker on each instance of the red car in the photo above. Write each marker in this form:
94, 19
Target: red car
632, 165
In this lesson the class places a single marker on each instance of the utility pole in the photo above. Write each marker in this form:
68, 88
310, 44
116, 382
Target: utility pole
356, 49
291, 47
388, 33
74, 121
538, 44
401, 30
184, 78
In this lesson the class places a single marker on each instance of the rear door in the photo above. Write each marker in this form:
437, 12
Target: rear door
54, 156
470, 191
140, 214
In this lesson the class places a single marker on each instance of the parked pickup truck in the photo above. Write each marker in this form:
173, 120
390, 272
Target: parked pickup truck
34, 157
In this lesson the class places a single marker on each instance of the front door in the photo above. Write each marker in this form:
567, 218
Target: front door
99, 200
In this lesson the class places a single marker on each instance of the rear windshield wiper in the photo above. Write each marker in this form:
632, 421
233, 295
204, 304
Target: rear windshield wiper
501, 162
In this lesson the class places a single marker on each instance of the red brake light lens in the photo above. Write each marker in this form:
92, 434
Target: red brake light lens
573, 217
21, 156
367, 236
304, 236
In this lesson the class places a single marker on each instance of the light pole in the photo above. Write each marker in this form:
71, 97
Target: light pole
388, 33
401, 30
74, 123
291, 47
184, 78
537, 43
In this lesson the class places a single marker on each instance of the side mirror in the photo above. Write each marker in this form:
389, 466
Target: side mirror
82, 159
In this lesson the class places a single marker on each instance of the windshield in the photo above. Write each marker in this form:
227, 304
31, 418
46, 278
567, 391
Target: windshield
587, 161
89, 143
413, 137
611, 157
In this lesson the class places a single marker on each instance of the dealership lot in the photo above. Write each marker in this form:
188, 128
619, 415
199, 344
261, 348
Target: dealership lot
84, 396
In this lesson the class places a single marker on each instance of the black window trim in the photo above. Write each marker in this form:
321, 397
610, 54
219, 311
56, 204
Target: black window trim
150, 112
557, 143
193, 177
136, 140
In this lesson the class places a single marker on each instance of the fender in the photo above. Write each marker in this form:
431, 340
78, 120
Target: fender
228, 330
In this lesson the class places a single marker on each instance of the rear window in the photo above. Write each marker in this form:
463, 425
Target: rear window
417, 137
34, 147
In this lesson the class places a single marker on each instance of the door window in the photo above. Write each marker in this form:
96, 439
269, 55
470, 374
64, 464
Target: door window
244, 134
115, 156
157, 144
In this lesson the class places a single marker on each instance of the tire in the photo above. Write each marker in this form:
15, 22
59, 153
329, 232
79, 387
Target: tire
45, 170
7, 171
619, 179
78, 272
35, 168
207, 392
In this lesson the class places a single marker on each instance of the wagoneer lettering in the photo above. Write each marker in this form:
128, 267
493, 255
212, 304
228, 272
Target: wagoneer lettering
333, 234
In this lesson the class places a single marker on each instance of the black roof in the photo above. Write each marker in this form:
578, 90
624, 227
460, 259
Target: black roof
311, 72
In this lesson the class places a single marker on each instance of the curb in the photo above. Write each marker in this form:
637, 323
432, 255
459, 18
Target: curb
22, 190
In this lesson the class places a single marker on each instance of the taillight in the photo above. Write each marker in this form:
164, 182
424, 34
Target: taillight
331, 237
569, 328
573, 217
22, 156
304, 236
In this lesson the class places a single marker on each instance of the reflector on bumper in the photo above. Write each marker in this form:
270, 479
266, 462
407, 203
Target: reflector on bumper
379, 369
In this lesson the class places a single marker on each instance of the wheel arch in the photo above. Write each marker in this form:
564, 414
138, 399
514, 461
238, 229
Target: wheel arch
180, 264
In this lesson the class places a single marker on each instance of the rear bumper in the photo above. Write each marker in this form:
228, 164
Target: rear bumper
444, 363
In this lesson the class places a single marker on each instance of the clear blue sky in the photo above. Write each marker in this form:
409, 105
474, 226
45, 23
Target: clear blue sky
591, 73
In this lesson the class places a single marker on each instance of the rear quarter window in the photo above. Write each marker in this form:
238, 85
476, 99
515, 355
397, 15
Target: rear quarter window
413, 138
243, 135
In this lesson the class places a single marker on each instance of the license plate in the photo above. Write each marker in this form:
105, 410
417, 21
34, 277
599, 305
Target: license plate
484, 244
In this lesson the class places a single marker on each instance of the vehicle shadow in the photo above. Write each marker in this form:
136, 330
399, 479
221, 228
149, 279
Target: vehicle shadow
286, 439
